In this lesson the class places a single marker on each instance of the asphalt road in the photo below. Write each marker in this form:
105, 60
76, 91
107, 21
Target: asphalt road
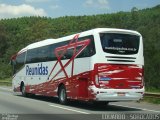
14, 106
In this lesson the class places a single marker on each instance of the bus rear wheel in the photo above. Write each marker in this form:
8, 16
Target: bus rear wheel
62, 95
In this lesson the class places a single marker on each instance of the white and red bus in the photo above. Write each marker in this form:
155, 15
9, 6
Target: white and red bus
101, 64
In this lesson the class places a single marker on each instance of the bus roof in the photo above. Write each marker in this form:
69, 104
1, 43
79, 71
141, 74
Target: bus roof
89, 32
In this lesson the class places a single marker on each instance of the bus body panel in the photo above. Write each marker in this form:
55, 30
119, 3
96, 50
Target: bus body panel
113, 76
42, 85
101, 77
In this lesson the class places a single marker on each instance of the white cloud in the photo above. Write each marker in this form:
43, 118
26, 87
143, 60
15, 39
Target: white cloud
54, 7
10, 11
36, 1
89, 2
102, 4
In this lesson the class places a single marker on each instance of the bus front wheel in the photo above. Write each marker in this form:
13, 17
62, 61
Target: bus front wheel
62, 95
23, 90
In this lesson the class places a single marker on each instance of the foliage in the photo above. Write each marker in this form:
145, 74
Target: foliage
151, 100
16, 33
6, 82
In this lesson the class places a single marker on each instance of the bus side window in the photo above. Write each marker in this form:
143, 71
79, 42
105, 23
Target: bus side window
19, 63
31, 56
89, 50
53, 48
13, 63
69, 53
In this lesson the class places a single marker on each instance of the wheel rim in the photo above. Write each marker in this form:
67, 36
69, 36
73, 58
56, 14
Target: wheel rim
62, 95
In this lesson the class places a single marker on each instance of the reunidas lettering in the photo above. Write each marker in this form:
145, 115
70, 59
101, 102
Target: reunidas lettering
39, 70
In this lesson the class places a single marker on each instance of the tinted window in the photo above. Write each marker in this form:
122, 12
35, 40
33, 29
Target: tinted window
19, 62
43, 54
47, 53
31, 56
56, 45
89, 50
119, 43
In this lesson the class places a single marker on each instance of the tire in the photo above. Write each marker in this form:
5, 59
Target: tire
62, 95
23, 90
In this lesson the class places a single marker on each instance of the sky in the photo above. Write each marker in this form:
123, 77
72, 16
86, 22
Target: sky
59, 8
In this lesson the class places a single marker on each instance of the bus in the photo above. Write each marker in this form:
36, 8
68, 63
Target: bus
101, 65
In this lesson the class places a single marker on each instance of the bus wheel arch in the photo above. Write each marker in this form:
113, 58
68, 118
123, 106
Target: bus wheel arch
62, 94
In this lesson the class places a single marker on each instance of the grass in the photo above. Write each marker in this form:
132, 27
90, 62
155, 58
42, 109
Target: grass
151, 100
152, 89
6, 82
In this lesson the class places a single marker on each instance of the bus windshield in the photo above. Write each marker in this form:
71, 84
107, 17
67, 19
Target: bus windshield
117, 43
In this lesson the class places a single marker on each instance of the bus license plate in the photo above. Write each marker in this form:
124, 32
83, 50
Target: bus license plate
121, 94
